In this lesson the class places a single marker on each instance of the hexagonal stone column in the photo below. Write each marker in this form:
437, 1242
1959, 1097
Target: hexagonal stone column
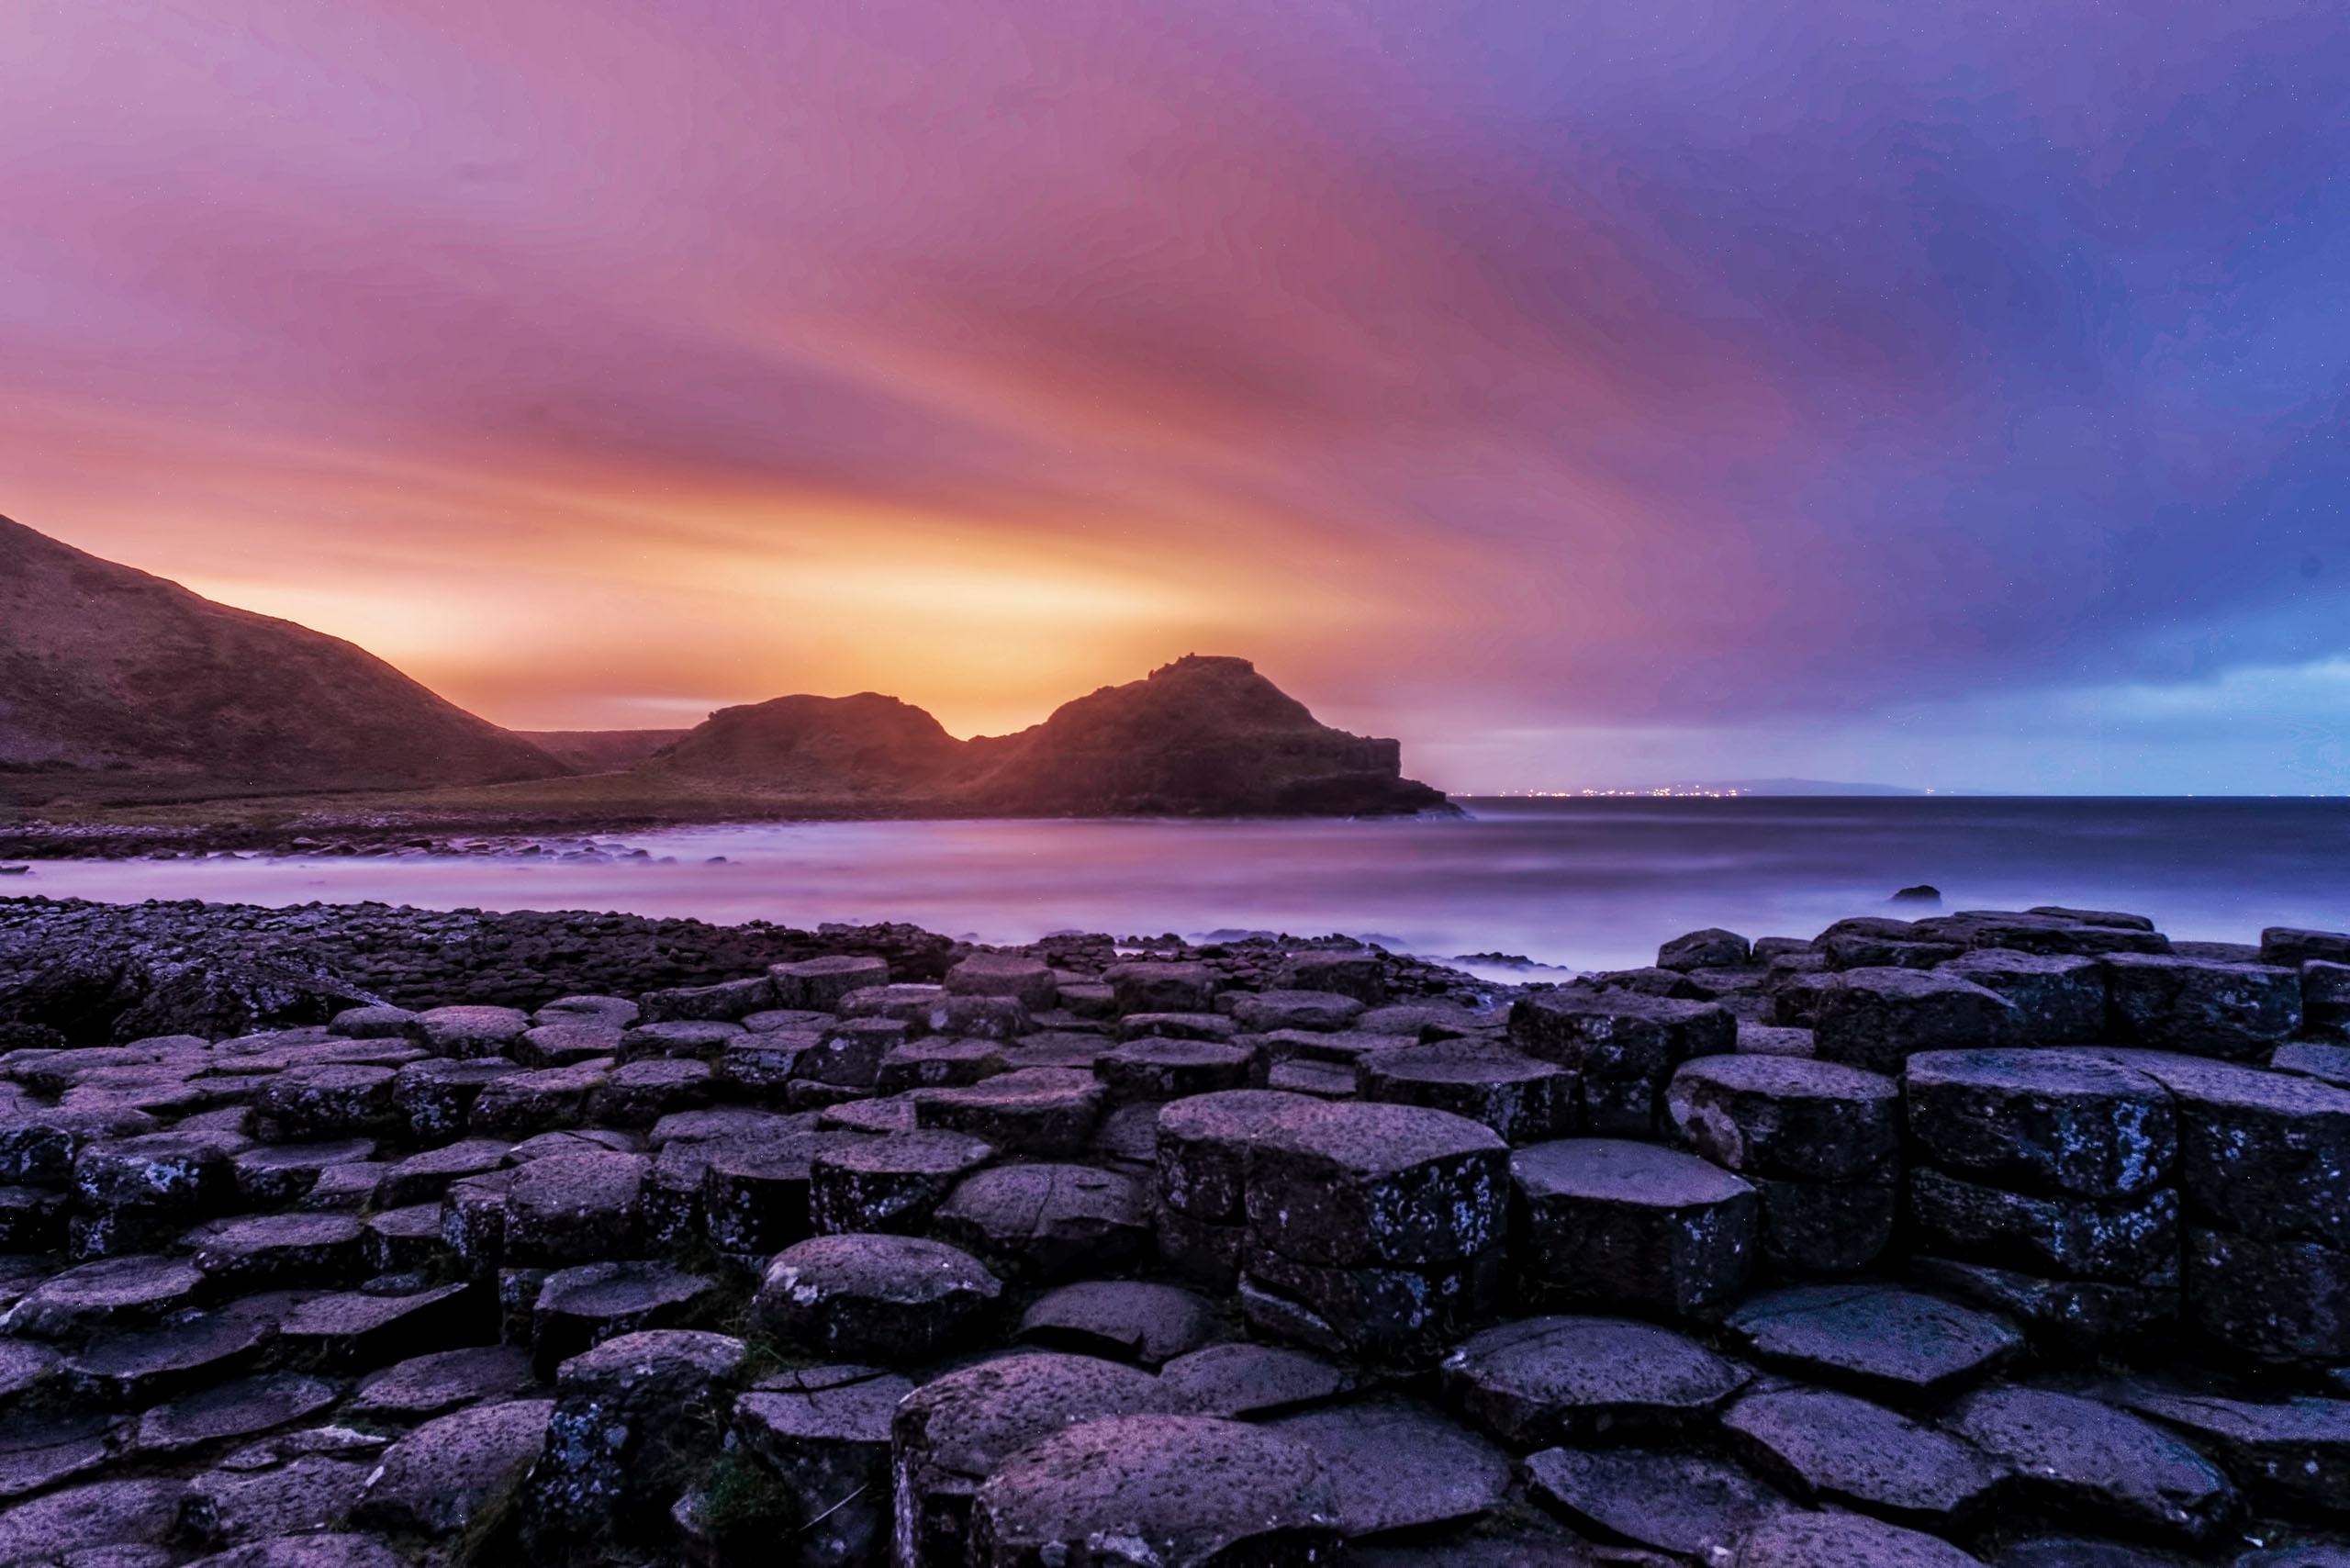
886, 1299
1878, 1018
1621, 1045
1633, 1224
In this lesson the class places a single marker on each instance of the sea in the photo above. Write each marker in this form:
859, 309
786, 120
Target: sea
1518, 887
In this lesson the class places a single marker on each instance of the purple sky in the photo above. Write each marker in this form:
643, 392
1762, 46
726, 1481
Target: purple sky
1945, 394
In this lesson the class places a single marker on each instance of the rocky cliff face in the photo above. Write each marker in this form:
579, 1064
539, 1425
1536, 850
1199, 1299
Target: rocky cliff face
827, 745
115, 683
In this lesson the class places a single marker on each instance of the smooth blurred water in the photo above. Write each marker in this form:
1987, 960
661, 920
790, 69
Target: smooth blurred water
1580, 883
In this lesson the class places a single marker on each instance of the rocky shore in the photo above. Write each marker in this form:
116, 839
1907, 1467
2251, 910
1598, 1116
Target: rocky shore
356, 1237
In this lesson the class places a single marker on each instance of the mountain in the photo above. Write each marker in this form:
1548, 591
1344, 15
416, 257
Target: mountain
817, 745
600, 751
1205, 735
115, 683
1200, 736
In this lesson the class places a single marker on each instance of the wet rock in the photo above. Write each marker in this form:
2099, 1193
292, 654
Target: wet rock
1632, 1224
2130, 1240
453, 1469
887, 1184
880, 1298
2059, 998
1878, 1018
1570, 1380
1184, 1491
818, 985
273, 1174
1125, 1321
1262, 1013
950, 1434
1393, 1463
1882, 1340
1785, 1117
636, 1421
1248, 1380
1832, 1448
2092, 1461
576, 1310
1687, 1507
1708, 949
2045, 1120
1345, 1186
1842, 1540
1162, 987
1045, 1112
435, 1383
1164, 1068
1825, 1229
573, 1208
822, 1433
469, 1031
1028, 981
2201, 1006
1521, 1099
1046, 1221
2283, 1301
1621, 1047
270, 1251
231, 1410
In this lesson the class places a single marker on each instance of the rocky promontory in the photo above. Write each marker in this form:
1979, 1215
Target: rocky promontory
354, 1237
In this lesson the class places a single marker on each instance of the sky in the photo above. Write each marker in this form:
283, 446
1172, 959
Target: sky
1942, 394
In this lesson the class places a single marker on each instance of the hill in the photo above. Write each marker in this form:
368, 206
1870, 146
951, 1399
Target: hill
600, 751
115, 684
817, 745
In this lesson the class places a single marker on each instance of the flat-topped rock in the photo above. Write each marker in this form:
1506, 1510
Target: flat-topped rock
1029, 980
2289, 947
1126, 1320
469, 1031
142, 1365
40, 1450
231, 1410
1791, 1118
328, 1551
1683, 1505
1878, 1018
2273, 1300
1046, 1112
518, 1104
268, 1250
699, 1039
1185, 1491
818, 985
1521, 1099
1341, 1185
2059, 997
110, 1294
1621, 1045
1884, 1340
1835, 1448
1046, 1221
2076, 1317
2293, 1452
1203, 1145
2266, 1154
1153, 986
575, 1208
578, 1309
873, 1297
757, 1190
2201, 1006
383, 1320
434, 1384
272, 1174
1565, 1380
952, 1433
2093, 1461
1241, 1379
1262, 1013
892, 1183
729, 1002
1631, 1224
1163, 1068
2046, 1121
373, 1022
1393, 1463
65, 1527
822, 1434
937, 1063
1708, 949
1350, 971
443, 1476
1842, 1540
